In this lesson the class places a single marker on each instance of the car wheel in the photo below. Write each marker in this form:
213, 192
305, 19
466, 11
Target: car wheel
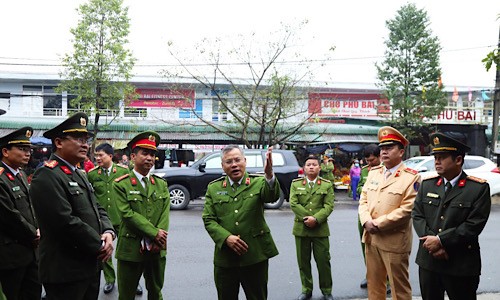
276, 204
179, 197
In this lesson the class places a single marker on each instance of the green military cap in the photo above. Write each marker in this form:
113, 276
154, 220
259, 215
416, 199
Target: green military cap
444, 143
146, 139
77, 123
19, 137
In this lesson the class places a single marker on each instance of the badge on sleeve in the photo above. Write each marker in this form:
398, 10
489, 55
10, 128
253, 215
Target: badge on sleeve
416, 186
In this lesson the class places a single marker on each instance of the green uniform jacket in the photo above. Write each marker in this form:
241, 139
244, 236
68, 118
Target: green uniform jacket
103, 186
457, 219
327, 171
240, 212
17, 222
71, 222
316, 202
142, 216
362, 180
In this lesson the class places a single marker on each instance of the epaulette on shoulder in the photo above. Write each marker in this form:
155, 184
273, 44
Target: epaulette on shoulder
121, 166
376, 167
365, 166
94, 168
325, 180
50, 164
411, 171
477, 179
122, 177
155, 175
298, 179
431, 177
1, 170
218, 179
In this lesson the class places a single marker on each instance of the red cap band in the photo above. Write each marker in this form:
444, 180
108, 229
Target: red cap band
145, 143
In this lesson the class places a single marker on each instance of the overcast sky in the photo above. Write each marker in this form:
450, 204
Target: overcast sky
34, 31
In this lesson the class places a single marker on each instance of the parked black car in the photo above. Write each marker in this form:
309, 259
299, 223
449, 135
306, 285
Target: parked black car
186, 184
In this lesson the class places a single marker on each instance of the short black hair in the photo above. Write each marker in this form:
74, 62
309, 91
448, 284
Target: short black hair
314, 157
106, 148
371, 149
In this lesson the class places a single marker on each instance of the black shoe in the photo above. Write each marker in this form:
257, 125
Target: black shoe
388, 290
305, 296
108, 287
138, 291
363, 284
327, 297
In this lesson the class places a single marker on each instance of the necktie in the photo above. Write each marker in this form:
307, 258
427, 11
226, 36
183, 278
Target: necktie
387, 174
311, 184
235, 186
145, 180
447, 188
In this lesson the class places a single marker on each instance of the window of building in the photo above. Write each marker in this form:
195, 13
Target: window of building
189, 114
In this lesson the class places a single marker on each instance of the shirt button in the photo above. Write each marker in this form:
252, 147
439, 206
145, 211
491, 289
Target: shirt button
262, 231
236, 211
460, 205
235, 199
440, 230
310, 203
237, 223
310, 209
430, 202
108, 191
442, 217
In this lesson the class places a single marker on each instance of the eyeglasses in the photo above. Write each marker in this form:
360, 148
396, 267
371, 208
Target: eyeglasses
81, 140
25, 149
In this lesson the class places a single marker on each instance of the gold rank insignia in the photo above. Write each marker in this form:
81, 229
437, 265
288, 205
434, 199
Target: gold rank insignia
28, 133
152, 138
436, 141
384, 133
83, 122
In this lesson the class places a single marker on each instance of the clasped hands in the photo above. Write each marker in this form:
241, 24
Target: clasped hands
235, 243
434, 246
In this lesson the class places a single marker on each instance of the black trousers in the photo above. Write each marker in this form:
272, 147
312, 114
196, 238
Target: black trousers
87, 289
21, 283
433, 285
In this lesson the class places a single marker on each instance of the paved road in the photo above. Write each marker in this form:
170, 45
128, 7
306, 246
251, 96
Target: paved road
189, 262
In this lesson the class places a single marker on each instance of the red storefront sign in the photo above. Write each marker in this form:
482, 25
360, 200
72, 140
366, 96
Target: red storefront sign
163, 98
347, 105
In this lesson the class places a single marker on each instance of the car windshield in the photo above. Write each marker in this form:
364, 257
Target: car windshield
413, 162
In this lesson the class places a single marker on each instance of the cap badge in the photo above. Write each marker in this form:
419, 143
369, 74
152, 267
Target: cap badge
152, 138
384, 133
436, 141
28, 133
83, 122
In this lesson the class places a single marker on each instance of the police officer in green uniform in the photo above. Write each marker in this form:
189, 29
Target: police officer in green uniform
76, 234
143, 201
327, 169
234, 218
101, 177
19, 234
451, 210
311, 200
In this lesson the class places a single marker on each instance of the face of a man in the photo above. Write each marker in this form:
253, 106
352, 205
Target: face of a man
73, 148
311, 168
103, 159
17, 156
391, 155
446, 166
144, 160
372, 160
234, 164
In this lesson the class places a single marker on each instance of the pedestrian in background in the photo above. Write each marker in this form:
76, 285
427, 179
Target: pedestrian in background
143, 201
234, 218
327, 169
451, 210
384, 210
101, 178
76, 234
19, 234
372, 157
355, 175
311, 200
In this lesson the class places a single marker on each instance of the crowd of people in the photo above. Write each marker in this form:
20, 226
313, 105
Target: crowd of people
59, 231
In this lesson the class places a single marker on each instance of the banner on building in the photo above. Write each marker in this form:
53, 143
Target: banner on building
183, 98
342, 105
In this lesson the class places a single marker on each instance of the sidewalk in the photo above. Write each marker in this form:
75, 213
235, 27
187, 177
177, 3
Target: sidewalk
487, 296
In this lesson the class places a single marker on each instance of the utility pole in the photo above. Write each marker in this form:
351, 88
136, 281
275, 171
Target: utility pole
496, 109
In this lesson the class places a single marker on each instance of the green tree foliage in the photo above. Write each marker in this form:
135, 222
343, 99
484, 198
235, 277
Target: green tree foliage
254, 85
99, 68
493, 57
410, 73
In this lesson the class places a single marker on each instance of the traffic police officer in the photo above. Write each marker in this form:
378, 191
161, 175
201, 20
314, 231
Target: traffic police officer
19, 234
75, 230
101, 177
451, 210
143, 201
234, 218
384, 210
311, 200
